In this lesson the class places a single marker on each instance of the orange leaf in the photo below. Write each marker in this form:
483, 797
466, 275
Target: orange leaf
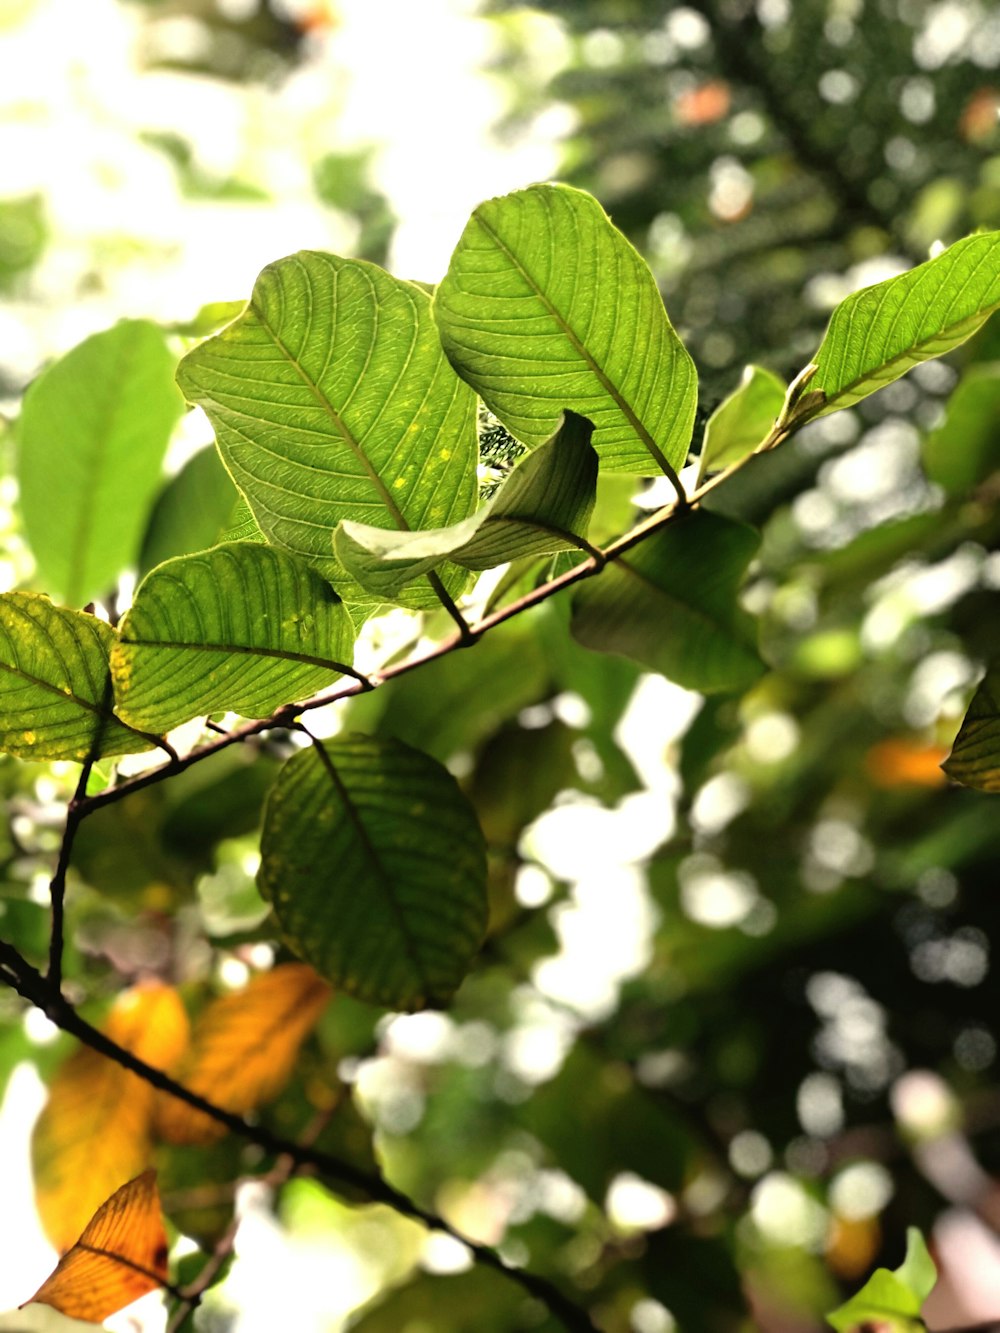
121, 1255
900, 762
243, 1049
94, 1132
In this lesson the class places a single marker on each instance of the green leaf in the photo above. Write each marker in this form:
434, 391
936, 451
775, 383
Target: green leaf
55, 690
242, 627
891, 1300
331, 399
191, 512
543, 506
545, 306
975, 757
241, 526
965, 449
375, 866
742, 420
92, 435
671, 604
879, 333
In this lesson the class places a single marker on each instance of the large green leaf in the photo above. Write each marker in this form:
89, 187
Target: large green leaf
375, 866
965, 449
55, 689
242, 627
545, 306
543, 506
671, 603
880, 332
742, 420
891, 1300
92, 435
331, 399
191, 512
975, 757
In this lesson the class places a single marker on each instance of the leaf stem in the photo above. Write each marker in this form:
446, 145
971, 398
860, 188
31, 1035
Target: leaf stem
75, 813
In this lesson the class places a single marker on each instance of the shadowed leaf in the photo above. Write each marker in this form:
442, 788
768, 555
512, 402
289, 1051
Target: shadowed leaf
975, 757
191, 512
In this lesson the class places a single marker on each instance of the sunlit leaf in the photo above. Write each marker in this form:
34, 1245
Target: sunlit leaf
332, 399
55, 687
93, 1133
975, 757
121, 1255
242, 627
742, 420
965, 449
91, 439
891, 1300
671, 604
192, 511
375, 866
546, 306
880, 332
243, 1049
543, 506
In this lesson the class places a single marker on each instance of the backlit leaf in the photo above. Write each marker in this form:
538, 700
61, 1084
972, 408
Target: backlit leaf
121, 1255
242, 627
891, 1300
191, 512
332, 399
93, 1133
243, 1049
55, 687
742, 420
543, 506
880, 332
375, 866
671, 604
91, 440
546, 306
975, 757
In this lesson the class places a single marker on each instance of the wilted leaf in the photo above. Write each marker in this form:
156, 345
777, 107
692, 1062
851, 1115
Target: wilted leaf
975, 757
242, 627
742, 420
91, 440
671, 603
93, 1133
243, 1049
121, 1255
375, 866
332, 399
543, 506
55, 688
546, 306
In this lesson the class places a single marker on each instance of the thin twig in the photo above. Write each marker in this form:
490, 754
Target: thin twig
75, 812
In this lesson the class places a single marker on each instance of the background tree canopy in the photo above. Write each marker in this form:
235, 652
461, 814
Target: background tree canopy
730, 1029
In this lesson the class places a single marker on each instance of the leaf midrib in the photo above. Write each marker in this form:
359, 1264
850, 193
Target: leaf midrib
307, 659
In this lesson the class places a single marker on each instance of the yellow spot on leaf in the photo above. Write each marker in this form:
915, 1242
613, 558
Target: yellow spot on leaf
399, 483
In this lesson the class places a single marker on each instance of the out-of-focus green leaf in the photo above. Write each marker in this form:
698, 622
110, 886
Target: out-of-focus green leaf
975, 757
332, 399
742, 420
375, 866
192, 511
880, 332
542, 506
55, 687
965, 448
477, 1300
671, 603
547, 306
91, 438
891, 1300
242, 627
23, 234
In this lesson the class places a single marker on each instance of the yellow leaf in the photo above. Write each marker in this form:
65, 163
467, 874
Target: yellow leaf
94, 1132
243, 1049
121, 1255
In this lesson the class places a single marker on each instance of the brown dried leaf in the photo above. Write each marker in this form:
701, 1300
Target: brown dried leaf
243, 1049
121, 1255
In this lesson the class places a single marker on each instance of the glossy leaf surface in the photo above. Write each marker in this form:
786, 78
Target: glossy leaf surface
242, 627
121, 1255
546, 306
331, 399
543, 506
91, 440
375, 866
975, 757
55, 688
671, 604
